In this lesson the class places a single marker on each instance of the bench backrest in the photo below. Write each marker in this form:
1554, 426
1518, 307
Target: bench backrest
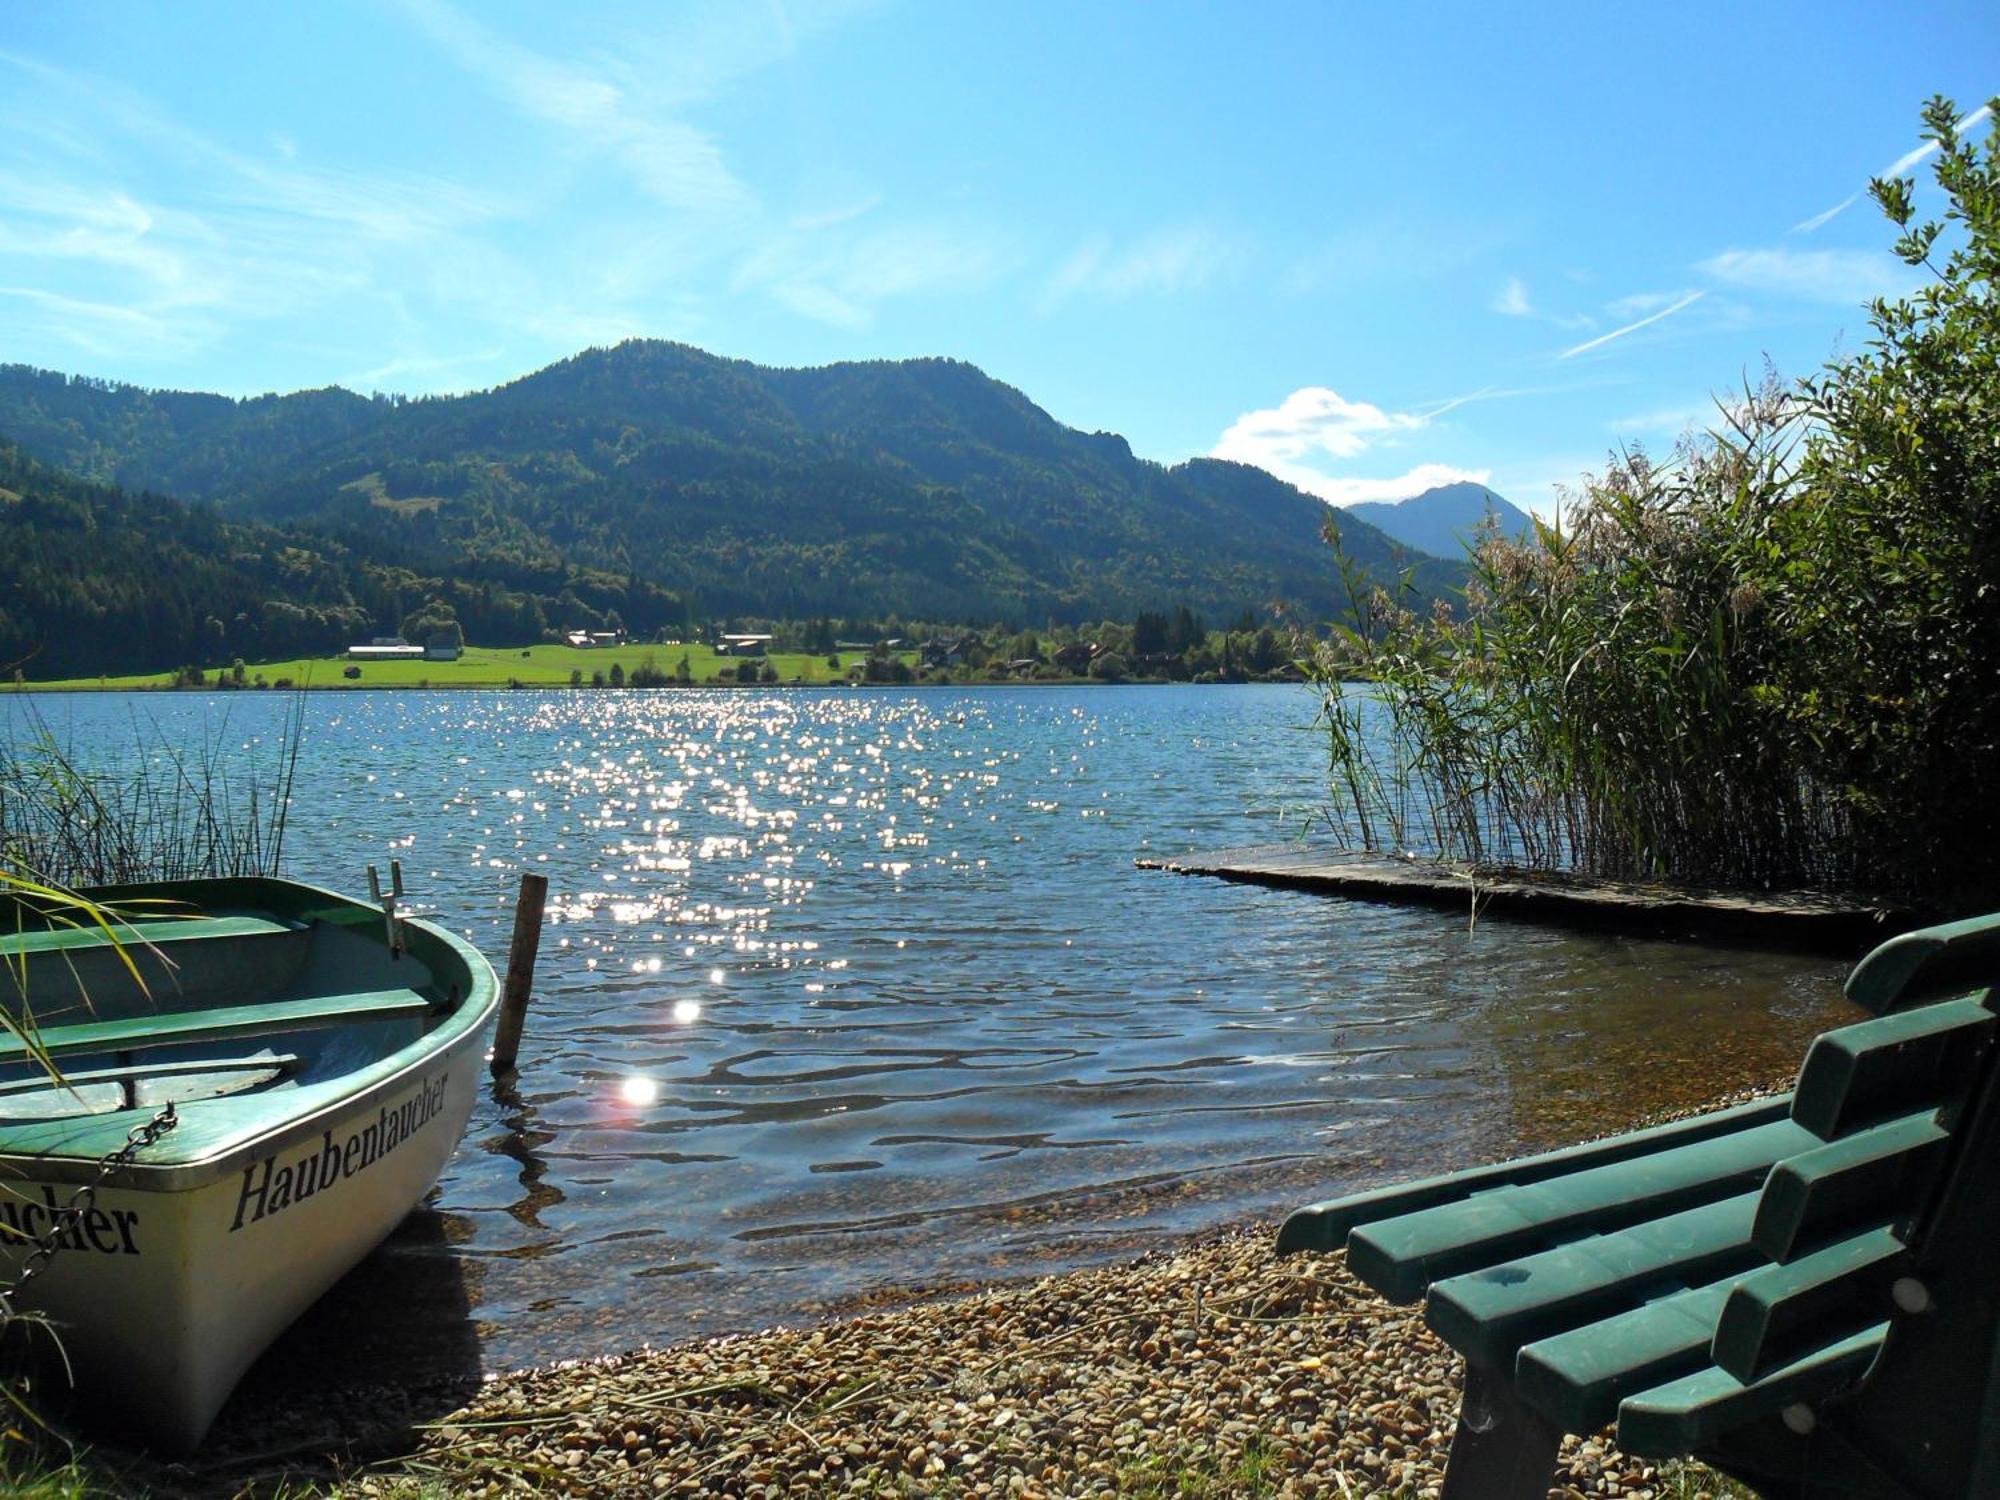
1896, 1217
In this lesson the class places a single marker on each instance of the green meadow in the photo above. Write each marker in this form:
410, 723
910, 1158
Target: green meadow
492, 667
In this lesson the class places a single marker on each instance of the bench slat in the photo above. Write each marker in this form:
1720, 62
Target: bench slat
1579, 1378
1877, 1070
1489, 1314
172, 1028
1694, 1411
1325, 1226
1880, 1176
1401, 1257
1780, 1313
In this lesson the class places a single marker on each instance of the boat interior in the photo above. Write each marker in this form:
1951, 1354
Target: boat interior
168, 1004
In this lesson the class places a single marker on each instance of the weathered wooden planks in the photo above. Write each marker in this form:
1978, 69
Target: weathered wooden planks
1802, 919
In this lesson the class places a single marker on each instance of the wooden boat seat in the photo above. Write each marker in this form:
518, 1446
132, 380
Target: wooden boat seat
152, 932
173, 1028
279, 1063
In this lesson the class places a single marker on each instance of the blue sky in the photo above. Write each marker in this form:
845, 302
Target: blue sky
1366, 247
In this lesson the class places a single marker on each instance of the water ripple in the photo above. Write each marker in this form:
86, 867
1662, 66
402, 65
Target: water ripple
846, 990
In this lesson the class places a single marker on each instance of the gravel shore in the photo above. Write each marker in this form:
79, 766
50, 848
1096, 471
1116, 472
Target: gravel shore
1210, 1370
1213, 1370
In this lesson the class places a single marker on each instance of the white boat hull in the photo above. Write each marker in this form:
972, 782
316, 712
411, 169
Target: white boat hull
162, 1300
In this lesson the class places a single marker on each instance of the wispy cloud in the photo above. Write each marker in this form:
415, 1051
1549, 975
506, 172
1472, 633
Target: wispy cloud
1167, 260
1664, 419
1845, 278
98, 263
106, 329
1904, 163
840, 279
1513, 300
1292, 439
1382, 252
1437, 409
449, 371
667, 158
1685, 301
837, 213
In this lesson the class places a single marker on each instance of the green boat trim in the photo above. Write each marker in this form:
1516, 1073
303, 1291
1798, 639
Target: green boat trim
210, 1142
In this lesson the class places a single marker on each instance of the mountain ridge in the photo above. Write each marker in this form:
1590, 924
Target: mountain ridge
918, 487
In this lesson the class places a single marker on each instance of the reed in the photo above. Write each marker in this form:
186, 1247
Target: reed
1598, 705
156, 810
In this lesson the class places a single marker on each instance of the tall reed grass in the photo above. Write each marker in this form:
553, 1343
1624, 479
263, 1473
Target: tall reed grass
154, 809
1598, 705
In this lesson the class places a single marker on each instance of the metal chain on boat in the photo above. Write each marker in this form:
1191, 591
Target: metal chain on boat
63, 1219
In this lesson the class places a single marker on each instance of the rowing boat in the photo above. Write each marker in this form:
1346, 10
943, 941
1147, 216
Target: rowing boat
258, 1080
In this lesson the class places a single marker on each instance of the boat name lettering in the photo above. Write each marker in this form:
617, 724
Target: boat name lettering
108, 1231
269, 1187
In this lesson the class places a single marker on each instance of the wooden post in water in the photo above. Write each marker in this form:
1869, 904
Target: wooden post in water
520, 972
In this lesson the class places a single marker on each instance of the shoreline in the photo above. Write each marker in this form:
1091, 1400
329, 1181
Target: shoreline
1208, 1367
69, 688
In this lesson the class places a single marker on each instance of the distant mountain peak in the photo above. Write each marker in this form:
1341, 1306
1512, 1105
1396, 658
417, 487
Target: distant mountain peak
1445, 521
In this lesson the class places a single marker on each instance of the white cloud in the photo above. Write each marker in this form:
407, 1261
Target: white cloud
1353, 491
1846, 278
1688, 300
1896, 168
1314, 419
1317, 423
1168, 260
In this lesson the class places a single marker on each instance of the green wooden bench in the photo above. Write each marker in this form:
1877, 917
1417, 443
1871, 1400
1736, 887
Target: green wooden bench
1803, 1293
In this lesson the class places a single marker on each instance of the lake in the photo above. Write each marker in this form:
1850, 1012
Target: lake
847, 993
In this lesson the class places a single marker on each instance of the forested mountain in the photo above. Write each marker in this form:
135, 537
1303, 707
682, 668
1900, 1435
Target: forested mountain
95, 580
1444, 520
918, 487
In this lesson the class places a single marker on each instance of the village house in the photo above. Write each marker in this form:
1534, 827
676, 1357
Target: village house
1077, 656
943, 653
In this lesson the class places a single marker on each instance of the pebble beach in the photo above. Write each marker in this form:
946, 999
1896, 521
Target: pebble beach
1212, 1370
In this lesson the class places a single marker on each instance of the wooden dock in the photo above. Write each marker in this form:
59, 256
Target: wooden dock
1811, 920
